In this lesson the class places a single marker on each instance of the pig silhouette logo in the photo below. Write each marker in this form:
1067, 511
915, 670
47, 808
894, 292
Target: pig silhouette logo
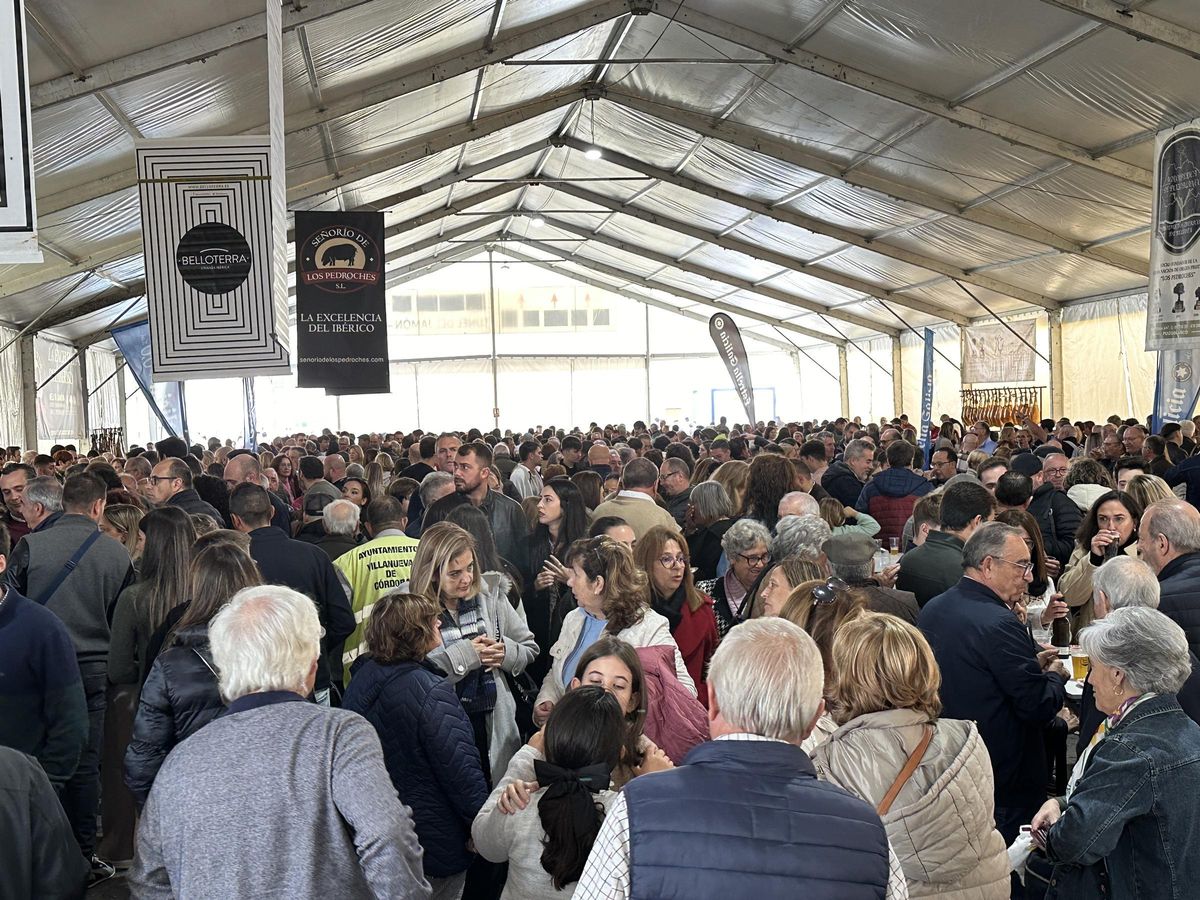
339, 253
340, 259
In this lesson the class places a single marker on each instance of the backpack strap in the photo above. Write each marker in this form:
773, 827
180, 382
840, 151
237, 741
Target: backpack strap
45, 596
906, 773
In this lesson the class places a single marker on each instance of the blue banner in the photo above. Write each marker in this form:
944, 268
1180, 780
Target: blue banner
1175, 388
164, 398
927, 396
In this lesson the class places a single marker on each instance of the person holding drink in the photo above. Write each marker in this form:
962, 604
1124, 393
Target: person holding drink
1110, 527
1040, 608
1128, 825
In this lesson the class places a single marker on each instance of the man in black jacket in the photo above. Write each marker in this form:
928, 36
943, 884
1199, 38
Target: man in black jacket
243, 467
1169, 542
171, 485
843, 480
300, 566
937, 565
1055, 512
992, 672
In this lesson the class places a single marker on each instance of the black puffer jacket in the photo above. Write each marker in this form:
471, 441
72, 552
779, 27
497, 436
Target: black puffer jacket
842, 484
1059, 519
1179, 582
179, 697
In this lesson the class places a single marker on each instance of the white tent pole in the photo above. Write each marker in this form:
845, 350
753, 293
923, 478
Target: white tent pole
492, 301
648, 407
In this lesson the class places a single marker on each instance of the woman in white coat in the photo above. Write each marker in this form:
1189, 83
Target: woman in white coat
613, 598
483, 638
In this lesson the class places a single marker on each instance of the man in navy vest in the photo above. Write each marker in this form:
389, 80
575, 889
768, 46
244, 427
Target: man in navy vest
745, 815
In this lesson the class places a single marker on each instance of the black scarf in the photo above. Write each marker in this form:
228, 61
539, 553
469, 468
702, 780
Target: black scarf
672, 607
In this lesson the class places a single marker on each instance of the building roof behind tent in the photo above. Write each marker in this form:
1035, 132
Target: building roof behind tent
892, 146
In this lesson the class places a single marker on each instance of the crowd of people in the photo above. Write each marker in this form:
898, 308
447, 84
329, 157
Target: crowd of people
782, 660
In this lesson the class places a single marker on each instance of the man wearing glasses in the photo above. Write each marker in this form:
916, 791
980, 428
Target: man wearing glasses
170, 484
992, 672
674, 484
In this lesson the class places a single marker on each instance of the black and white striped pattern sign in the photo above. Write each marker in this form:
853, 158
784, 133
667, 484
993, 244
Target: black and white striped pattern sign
206, 232
18, 214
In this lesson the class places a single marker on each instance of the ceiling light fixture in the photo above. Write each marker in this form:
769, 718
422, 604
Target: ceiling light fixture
593, 153
537, 221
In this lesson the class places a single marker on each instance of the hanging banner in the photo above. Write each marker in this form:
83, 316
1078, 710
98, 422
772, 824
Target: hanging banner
206, 230
1173, 310
927, 396
728, 339
18, 211
1175, 388
250, 432
341, 309
994, 355
165, 398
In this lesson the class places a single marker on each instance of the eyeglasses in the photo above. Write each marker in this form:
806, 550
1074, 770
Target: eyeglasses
155, 479
761, 560
1062, 471
670, 562
826, 593
1025, 567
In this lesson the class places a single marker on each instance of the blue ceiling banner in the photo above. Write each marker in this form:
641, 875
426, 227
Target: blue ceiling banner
729, 344
164, 397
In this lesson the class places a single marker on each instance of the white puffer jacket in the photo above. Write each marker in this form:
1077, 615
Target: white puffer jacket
941, 824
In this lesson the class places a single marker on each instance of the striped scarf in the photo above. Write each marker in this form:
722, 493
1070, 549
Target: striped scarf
477, 689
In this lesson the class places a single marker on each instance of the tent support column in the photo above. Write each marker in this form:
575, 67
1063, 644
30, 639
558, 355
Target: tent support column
121, 400
649, 414
844, 380
492, 303
85, 399
897, 378
28, 391
1056, 364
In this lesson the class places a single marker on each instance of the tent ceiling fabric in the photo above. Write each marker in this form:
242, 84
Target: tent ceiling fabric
834, 164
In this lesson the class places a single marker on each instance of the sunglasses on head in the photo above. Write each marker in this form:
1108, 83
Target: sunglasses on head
828, 592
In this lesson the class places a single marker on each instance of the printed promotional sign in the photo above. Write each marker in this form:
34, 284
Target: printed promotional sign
1175, 388
341, 314
728, 339
18, 210
165, 398
927, 396
994, 355
1173, 311
206, 229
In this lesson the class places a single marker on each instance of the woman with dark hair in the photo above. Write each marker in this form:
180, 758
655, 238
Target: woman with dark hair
591, 488
771, 476
1110, 527
664, 556
428, 744
357, 491
180, 695
547, 843
289, 479
562, 519
215, 492
1043, 611
613, 598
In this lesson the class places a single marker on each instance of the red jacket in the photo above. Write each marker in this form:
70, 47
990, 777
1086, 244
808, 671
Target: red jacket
696, 635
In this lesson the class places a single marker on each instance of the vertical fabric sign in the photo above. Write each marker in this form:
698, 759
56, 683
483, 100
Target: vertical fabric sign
729, 344
927, 395
250, 437
1175, 388
165, 398
206, 230
18, 210
1173, 310
341, 313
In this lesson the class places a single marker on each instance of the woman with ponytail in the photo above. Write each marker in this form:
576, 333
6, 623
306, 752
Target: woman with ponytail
547, 843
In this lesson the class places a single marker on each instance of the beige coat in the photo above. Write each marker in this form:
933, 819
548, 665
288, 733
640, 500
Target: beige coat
1076, 585
941, 825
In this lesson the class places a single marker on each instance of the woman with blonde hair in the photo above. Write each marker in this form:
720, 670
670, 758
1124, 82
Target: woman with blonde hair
734, 476
120, 522
844, 520
484, 640
779, 582
1146, 489
930, 779
376, 479
612, 597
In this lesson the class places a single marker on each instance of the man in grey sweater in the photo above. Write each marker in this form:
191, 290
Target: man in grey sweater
278, 796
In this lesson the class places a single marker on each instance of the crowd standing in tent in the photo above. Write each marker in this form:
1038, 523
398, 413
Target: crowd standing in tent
779, 661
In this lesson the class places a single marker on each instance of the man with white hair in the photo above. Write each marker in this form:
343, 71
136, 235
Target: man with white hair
798, 503
1169, 542
224, 818
748, 802
41, 503
800, 536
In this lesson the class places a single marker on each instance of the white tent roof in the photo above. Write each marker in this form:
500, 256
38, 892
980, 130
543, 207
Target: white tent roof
835, 164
